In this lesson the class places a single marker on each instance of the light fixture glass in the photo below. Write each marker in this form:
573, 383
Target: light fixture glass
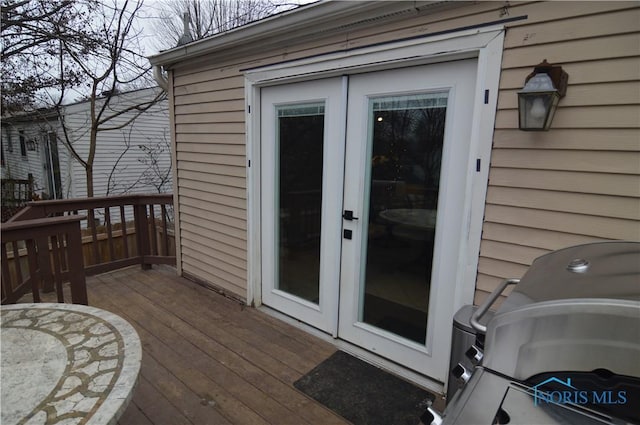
538, 99
537, 103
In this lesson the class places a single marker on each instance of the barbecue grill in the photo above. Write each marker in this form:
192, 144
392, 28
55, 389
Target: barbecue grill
564, 346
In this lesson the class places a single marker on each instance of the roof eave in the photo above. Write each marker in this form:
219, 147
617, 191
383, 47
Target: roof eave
321, 16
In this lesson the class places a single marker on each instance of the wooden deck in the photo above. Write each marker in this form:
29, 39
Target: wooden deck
208, 359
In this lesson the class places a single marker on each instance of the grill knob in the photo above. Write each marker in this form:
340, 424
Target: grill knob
474, 354
461, 372
578, 265
431, 417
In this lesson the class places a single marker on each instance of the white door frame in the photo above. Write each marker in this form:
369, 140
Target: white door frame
486, 44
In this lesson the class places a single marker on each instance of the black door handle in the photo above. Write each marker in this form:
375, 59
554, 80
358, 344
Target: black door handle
348, 215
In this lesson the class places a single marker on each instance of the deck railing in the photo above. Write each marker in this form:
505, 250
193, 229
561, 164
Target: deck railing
112, 232
53, 256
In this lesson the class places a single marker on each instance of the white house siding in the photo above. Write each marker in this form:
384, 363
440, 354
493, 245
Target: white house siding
126, 171
576, 183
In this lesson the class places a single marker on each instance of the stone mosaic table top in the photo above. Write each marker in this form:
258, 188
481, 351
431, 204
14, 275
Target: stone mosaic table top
66, 364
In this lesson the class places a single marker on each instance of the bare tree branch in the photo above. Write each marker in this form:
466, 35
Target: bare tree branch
31, 34
209, 17
138, 108
90, 46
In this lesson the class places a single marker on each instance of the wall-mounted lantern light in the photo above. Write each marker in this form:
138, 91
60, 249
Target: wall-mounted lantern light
538, 99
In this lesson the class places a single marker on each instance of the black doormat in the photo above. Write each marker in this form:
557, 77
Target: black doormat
363, 393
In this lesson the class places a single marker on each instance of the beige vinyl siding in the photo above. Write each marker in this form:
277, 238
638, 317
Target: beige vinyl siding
576, 183
210, 154
566, 181
579, 182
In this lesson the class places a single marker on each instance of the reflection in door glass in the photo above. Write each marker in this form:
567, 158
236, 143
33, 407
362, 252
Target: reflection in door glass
406, 136
300, 143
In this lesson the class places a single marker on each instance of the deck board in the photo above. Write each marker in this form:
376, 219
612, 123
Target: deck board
208, 359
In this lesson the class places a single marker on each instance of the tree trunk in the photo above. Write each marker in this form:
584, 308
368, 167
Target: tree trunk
93, 139
89, 174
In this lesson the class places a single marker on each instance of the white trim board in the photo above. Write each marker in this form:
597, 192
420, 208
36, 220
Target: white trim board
418, 51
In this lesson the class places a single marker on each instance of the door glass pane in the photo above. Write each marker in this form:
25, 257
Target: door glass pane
406, 137
300, 142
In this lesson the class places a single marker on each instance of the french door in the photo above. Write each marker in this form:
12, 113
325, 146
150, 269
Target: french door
302, 127
363, 185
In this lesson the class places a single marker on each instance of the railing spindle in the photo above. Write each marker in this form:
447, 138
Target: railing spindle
154, 236
33, 271
123, 226
57, 271
165, 236
63, 252
7, 287
44, 263
94, 236
107, 219
16, 261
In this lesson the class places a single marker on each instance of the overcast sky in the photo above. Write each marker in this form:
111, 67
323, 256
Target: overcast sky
151, 12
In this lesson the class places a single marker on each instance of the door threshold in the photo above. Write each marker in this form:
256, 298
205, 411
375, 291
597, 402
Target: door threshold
420, 380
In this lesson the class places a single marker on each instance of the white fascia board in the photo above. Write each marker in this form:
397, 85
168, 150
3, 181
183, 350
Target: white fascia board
317, 18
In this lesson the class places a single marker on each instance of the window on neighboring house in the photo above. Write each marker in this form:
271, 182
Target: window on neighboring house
32, 145
9, 142
23, 144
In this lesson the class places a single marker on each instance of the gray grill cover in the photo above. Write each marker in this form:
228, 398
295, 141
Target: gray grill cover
556, 319
612, 272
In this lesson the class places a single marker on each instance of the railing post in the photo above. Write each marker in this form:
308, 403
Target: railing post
142, 234
44, 264
77, 279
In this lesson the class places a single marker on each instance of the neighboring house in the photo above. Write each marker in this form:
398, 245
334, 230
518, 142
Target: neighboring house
132, 158
29, 147
358, 166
